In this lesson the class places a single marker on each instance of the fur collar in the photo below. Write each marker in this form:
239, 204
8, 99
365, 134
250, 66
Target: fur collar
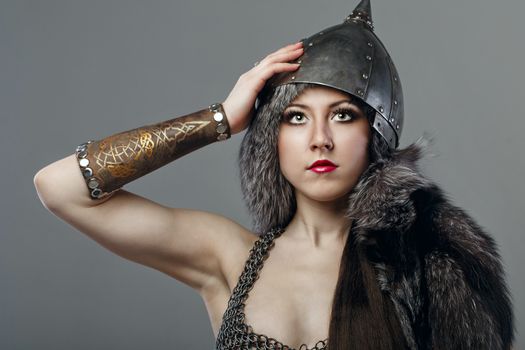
430, 256
384, 196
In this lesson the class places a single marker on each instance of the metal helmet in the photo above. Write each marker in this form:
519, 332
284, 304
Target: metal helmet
351, 58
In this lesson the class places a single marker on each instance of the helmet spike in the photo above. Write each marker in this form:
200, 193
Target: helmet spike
363, 13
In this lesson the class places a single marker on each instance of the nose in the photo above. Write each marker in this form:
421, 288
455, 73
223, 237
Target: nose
321, 137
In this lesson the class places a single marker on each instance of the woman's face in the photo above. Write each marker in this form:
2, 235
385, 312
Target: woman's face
323, 123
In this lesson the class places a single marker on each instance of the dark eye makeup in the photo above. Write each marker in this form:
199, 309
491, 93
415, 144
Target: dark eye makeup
291, 113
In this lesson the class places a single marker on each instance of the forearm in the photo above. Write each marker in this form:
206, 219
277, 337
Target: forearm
110, 163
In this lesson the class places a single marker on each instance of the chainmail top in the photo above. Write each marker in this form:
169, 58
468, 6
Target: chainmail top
234, 333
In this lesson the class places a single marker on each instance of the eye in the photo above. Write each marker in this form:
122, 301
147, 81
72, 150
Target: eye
291, 115
344, 112
298, 117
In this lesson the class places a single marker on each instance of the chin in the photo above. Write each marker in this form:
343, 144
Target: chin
325, 195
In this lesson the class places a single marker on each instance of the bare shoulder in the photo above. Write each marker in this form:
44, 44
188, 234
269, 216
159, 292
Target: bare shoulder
221, 243
231, 244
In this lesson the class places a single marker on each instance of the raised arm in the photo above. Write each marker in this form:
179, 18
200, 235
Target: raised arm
85, 188
179, 242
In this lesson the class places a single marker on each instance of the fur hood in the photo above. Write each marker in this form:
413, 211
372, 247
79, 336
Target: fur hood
441, 270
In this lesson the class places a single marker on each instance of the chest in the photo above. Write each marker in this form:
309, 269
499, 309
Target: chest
292, 297
292, 301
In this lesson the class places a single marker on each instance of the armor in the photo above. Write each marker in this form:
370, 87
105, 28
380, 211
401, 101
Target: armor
351, 58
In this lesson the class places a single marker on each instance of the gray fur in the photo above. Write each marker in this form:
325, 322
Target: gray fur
267, 193
442, 271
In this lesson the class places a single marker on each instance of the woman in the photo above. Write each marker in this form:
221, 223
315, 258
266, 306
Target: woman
366, 253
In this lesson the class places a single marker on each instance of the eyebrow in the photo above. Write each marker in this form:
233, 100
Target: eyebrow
306, 107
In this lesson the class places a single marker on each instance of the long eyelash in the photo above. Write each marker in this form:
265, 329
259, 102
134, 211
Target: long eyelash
291, 113
346, 111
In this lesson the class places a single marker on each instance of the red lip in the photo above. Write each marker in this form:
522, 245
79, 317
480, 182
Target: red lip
322, 162
322, 169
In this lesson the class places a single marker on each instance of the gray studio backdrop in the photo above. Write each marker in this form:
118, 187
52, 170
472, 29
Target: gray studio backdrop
78, 70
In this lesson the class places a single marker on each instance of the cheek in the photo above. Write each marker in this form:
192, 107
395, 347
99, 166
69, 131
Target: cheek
355, 145
363, 131
361, 147
359, 142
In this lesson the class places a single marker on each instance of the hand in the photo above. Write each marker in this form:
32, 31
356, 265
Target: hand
239, 106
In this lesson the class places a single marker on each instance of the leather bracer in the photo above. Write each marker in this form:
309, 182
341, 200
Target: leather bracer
114, 161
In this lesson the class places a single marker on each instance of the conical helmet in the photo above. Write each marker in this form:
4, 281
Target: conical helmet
351, 58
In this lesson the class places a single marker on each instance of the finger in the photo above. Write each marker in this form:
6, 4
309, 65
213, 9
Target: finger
283, 57
278, 68
294, 45
291, 46
287, 48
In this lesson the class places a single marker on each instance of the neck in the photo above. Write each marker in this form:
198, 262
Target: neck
319, 224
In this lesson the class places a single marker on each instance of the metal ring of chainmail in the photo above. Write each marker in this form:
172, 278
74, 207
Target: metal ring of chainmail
234, 333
